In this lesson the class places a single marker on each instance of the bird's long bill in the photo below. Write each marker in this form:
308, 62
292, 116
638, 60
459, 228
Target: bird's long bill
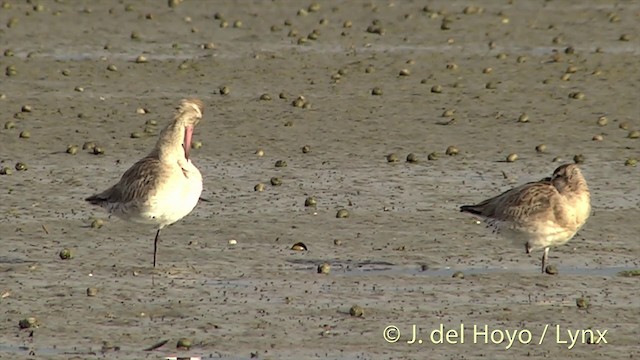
188, 133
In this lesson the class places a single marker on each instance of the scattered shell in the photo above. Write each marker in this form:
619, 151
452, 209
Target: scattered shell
436, 89
578, 159
299, 246
298, 102
237, 24
512, 157
597, 137
625, 37
448, 113
458, 275
521, 59
404, 72
10, 70
259, 152
97, 150
412, 158
452, 66
582, 303
624, 125
9, 125
20, 166
265, 97
26, 108
112, 67
25, 134
91, 292
551, 270
136, 135
97, 223
28, 323
310, 201
337, 242
141, 59
196, 144
452, 150
392, 157
631, 162
276, 181
634, 134
356, 311
259, 187
5, 170
342, 214
306, 149
184, 344
491, 85
556, 159
376, 91
324, 268
577, 95
487, 70
523, 118
281, 163
224, 90
541, 148
65, 254
433, 156
233, 241
602, 121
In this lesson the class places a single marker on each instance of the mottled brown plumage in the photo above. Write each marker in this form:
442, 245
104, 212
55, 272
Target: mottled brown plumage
541, 214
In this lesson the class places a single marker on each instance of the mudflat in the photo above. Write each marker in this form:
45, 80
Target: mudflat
355, 82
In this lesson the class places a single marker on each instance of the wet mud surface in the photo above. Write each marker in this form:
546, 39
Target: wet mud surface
445, 77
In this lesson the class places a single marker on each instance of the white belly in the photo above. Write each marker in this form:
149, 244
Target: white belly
174, 199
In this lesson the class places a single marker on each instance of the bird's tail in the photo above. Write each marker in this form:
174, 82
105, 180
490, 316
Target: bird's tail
97, 199
472, 209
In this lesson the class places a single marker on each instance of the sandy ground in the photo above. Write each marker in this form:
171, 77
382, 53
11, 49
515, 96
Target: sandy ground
396, 253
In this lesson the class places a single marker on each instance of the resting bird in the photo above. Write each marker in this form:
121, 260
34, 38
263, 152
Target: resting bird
539, 214
164, 186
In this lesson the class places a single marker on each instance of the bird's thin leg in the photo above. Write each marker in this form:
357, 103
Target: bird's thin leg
155, 247
545, 258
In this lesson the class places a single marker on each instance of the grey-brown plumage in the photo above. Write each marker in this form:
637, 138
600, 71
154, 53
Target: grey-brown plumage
539, 214
164, 186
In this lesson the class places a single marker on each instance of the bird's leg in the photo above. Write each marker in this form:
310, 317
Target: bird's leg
527, 248
545, 258
155, 247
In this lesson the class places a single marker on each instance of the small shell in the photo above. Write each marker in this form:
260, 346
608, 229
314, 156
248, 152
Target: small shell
512, 157
452, 150
582, 303
392, 158
551, 270
299, 246
356, 311
324, 268
342, 214
276, 181
184, 344
65, 254
91, 292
